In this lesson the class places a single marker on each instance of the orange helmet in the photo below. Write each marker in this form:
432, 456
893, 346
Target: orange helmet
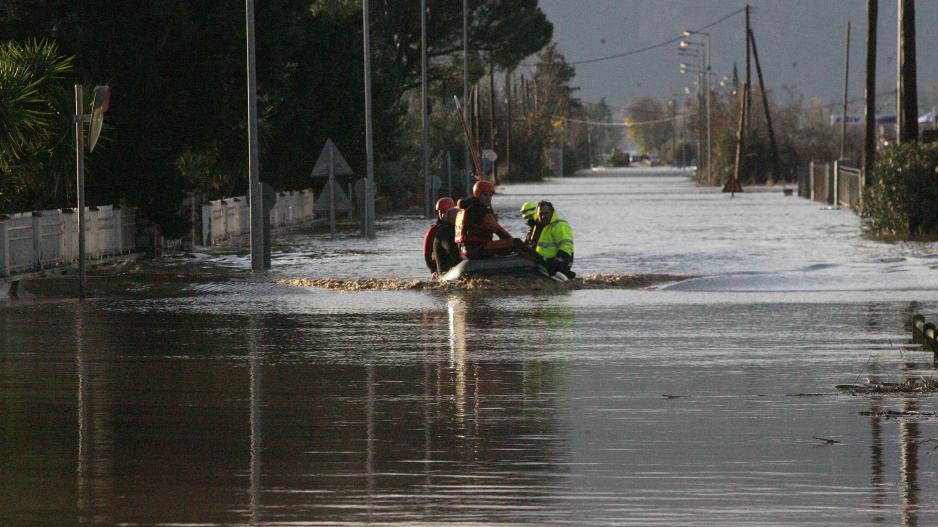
443, 205
483, 186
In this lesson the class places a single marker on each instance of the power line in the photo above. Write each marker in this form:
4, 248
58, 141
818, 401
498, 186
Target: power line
655, 46
625, 125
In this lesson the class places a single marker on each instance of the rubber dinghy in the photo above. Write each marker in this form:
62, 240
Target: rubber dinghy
507, 265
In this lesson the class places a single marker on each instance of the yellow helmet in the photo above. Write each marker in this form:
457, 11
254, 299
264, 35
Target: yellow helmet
528, 210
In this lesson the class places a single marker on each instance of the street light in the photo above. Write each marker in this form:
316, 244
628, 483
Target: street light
684, 69
706, 47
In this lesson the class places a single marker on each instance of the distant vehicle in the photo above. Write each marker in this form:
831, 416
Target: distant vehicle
620, 158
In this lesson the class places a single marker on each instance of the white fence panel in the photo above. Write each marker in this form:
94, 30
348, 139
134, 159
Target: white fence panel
34, 241
231, 217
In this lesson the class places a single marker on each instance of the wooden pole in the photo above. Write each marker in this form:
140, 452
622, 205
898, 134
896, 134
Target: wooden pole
843, 125
508, 124
907, 105
493, 135
740, 144
869, 125
747, 89
765, 106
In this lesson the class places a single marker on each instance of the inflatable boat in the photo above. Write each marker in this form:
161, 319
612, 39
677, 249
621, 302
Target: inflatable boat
508, 265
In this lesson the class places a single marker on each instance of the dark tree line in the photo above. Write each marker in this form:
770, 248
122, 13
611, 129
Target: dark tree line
177, 72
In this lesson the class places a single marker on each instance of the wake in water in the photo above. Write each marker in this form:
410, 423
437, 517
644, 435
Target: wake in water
494, 283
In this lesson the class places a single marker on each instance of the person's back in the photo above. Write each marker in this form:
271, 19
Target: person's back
443, 205
476, 225
445, 251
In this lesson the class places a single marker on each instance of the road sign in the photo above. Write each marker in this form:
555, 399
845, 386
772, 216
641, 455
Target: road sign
342, 201
340, 167
491, 155
102, 101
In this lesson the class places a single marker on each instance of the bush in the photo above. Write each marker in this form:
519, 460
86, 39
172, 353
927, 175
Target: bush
901, 194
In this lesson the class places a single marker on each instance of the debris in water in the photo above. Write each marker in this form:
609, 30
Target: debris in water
920, 385
826, 440
495, 283
897, 413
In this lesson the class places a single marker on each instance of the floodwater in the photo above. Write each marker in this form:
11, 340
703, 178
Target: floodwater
189, 392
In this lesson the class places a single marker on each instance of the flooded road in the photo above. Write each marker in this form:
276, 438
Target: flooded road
189, 392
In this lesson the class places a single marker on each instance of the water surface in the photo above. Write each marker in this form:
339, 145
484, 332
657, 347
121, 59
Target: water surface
193, 393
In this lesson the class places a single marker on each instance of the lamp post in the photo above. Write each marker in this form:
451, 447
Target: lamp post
698, 68
706, 47
368, 226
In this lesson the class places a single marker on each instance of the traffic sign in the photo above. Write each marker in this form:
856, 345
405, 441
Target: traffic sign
340, 167
101, 103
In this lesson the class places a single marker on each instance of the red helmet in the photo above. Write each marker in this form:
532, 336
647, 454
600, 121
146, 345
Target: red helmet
483, 186
443, 205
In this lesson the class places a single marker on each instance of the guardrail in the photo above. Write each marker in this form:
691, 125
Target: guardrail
229, 218
32, 241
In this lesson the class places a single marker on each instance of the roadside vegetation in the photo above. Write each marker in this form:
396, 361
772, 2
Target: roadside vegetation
177, 120
900, 199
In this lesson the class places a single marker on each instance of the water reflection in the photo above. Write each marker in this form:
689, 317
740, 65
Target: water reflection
256, 417
909, 437
95, 428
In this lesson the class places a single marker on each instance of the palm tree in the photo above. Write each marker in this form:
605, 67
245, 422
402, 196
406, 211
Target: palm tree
34, 125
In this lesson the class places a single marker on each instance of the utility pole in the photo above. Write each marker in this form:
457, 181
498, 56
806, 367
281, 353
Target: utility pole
508, 94
869, 125
765, 106
80, 184
424, 118
492, 128
907, 102
465, 91
843, 125
673, 127
748, 74
255, 193
369, 223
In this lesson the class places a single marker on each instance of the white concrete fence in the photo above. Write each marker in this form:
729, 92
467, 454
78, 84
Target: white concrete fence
32, 241
229, 218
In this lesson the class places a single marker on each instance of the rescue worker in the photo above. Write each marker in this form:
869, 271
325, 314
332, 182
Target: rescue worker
442, 205
529, 215
476, 224
445, 251
555, 241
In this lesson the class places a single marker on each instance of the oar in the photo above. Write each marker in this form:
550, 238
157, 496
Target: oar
473, 153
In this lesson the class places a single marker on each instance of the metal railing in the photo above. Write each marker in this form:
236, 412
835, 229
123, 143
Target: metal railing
835, 183
849, 184
229, 218
32, 241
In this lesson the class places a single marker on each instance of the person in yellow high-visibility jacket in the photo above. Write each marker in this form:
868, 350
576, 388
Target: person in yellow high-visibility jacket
555, 243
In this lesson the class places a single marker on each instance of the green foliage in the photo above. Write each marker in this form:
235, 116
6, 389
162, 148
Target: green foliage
901, 194
34, 125
176, 69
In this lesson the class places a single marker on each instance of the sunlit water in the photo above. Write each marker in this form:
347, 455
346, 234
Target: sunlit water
192, 393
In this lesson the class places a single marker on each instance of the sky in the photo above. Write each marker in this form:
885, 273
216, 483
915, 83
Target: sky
801, 44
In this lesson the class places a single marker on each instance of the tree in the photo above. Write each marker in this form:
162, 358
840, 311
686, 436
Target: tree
34, 125
176, 69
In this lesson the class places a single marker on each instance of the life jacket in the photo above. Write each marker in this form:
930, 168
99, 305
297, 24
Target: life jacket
469, 229
428, 239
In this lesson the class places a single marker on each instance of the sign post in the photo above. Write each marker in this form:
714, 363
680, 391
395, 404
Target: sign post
102, 101
331, 164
